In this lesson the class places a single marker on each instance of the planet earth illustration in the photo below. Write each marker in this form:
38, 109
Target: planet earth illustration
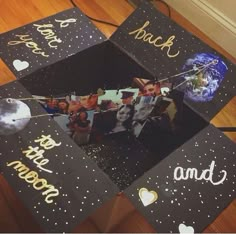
14, 116
207, 72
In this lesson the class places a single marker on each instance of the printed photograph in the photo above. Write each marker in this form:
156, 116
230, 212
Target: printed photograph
89, 102
123, 120
132, 109
111, 122
162, 115
63, 121
77, 125
68, 104
112, 99
53, 105
151, 87
81, 126
50, 105
142, 109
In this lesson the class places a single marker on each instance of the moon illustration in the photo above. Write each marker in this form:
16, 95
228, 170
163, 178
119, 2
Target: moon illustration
14, 116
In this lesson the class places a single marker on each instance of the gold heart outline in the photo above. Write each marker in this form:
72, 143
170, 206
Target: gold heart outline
152, 192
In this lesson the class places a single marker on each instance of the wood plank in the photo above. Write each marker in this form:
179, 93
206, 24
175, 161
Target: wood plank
14, 217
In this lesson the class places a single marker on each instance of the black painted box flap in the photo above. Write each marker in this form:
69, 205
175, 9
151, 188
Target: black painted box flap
188, 189
38, 157
170, 53
44, 42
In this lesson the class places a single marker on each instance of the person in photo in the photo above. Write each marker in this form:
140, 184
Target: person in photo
89, 102
50, 105
53, 105
72, 117
107, 101
152, 88
107, 105
74, 106
113, 99
127, 97
63, 106
142, 109
82, 126
124, 117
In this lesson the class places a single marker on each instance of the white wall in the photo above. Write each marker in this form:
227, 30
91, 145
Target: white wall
227, 7
216, 18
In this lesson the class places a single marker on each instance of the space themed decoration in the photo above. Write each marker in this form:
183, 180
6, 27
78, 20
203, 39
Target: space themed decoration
14, 116
46, 41
185, 229
147, 197
175, 157
172, 54
201, 170
39, 161
209, 73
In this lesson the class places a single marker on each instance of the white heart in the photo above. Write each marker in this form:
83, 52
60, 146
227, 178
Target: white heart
20, 65
147, 197
185, 229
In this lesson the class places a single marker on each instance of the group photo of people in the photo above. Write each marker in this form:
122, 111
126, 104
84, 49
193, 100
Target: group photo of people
113, 99
146, 104
73, 113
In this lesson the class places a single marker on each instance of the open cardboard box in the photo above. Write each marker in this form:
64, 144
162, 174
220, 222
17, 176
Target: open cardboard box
65, 53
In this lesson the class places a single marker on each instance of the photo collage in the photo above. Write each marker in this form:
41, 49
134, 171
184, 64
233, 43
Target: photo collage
145, 106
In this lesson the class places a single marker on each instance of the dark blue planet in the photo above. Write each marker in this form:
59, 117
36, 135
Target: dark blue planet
201, 84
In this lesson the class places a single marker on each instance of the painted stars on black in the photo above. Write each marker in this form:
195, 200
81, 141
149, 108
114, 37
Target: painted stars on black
76, 37
82, 186
79, 179
122, 157
175, 203
156, 61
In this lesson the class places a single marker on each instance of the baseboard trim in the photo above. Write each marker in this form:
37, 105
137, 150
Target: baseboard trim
209, 20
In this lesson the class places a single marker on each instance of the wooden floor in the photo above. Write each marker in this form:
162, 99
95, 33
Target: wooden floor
15, 13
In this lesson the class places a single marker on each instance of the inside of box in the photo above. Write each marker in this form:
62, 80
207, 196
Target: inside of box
122, 156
